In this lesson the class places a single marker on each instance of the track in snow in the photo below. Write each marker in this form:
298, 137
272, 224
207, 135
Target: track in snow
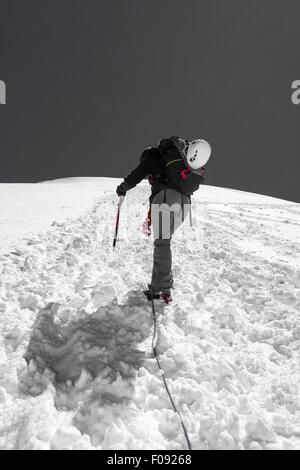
229, 344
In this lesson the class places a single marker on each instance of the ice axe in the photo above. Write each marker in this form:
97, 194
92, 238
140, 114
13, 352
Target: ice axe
121, 199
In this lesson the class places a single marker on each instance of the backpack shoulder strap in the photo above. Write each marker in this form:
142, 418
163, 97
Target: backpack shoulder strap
176, 160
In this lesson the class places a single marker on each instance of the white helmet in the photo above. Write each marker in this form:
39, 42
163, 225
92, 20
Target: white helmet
198, 153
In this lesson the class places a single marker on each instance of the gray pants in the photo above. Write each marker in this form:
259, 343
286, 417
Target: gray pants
169, 208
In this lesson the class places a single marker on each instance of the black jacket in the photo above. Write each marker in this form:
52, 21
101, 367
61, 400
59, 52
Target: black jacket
151, 166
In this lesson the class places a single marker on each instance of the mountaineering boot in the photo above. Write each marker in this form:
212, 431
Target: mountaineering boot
151, 295
158, 296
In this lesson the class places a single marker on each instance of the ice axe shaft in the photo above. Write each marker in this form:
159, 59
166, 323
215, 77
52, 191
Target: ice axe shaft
121, 199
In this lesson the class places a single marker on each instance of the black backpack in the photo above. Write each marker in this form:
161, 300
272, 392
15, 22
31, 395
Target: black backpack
178, 175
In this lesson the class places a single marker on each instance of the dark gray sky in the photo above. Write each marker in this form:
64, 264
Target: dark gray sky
90, 83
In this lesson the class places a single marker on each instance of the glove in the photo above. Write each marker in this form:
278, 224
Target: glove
121, 190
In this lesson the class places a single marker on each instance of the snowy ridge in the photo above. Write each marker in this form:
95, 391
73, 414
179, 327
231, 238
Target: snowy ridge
28, 208
76, 369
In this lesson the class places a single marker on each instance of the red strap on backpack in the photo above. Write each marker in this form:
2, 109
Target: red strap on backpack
185, 173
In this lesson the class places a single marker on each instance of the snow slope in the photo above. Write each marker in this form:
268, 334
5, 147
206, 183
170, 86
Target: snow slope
76, 369
27, 208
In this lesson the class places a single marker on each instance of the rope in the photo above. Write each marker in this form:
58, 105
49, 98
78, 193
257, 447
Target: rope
154, 341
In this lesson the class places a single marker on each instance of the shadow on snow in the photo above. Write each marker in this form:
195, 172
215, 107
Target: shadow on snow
104, 340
